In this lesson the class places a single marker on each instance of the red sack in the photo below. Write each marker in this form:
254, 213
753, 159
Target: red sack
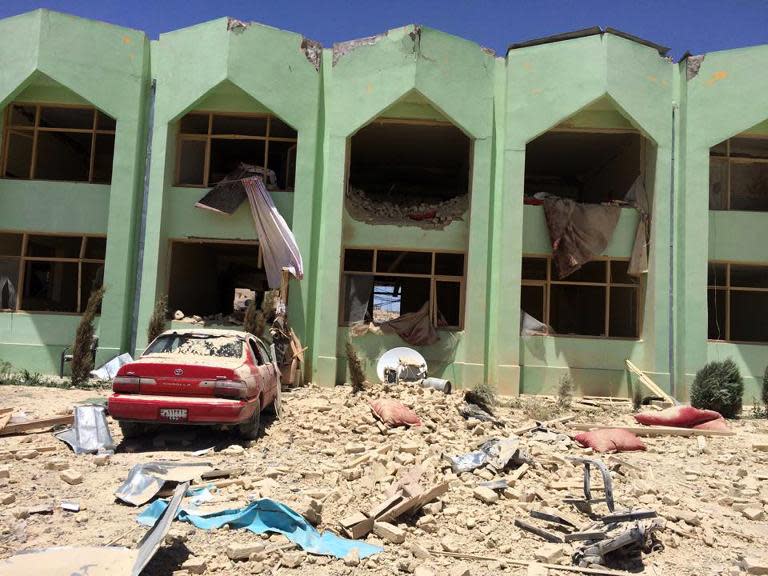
716, 424
394, 413
680, 416
610, 439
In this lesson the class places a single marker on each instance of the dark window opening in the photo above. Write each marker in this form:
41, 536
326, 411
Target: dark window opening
59, 143
738, 174
600, 299
588, 167
737, 302
210, 146
215, 280
416, 174
382, 285
49, 273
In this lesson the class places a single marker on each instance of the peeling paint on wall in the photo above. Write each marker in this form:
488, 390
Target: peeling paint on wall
313, 51
692, 65
343, 48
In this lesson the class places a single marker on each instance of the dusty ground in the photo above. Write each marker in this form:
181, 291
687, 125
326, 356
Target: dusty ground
701, 489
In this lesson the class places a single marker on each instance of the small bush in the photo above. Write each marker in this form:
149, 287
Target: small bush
484, 395
565, 392
356, 369
765, 387
540, 409
82, 359
157, 320
718, 386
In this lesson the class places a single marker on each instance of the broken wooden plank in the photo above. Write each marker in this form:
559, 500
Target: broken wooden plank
657, 430
561, 420
221, 473
648, 383
577, 569
548, 536
35, 424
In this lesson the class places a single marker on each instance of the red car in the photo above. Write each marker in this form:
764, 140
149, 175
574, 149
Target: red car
197, 376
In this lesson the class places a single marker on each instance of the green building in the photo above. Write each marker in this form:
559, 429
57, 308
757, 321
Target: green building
410, 167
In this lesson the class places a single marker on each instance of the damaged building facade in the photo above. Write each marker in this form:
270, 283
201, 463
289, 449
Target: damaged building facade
426, 181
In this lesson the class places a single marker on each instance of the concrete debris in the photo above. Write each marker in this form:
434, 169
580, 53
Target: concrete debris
408, 210
329, 462
71, 476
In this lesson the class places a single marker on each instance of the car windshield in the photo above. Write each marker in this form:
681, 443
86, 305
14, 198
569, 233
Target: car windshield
198, 345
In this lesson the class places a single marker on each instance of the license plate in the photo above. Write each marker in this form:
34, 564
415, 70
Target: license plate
173, 414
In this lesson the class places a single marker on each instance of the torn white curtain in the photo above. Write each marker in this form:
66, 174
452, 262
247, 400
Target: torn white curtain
638, 262
278, 244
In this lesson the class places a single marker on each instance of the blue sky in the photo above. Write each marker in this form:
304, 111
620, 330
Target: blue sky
695, 25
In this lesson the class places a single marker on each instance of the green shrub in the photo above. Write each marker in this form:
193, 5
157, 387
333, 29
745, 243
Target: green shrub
82, 359
565, 392
157, 320
718, 386
482, 394
356, 369
765, 387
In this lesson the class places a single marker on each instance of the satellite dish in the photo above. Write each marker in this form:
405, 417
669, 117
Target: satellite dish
392, 359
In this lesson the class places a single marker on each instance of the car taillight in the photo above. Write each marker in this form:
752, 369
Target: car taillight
227, 388
130, 384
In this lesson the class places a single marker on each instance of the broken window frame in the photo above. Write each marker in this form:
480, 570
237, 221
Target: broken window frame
36, 129
209, 136
607, 284
728, 289
194, 240
23, 259
729, 161
432, 276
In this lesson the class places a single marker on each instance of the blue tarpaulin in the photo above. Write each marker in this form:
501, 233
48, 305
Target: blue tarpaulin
266, 515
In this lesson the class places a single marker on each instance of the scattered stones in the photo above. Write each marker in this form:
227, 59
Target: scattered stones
389, 532
71, 476
753, 513
753, 565
459, 570
549, 553
232, 450
101, 459
485, 495
6, 498
352, 558
5, 472
423, 571
194, 565
237, 551
354, 448
27, 454
294, 559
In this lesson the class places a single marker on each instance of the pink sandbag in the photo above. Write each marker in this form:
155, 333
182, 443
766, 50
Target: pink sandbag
394, 413
680, 416
610, 439
716, 424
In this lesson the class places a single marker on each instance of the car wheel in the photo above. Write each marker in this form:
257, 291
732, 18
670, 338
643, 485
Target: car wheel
250, 430
132, 429
276, 407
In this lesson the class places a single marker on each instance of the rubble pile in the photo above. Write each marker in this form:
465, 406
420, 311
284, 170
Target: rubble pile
330, 459
405, 211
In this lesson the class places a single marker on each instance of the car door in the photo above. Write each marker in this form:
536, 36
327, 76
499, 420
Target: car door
271, 380
257, 368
